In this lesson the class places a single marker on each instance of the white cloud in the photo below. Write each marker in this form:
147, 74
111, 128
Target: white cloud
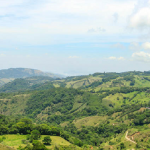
2, 55
121, 58
28, 56
97, 30
135, 46
61, 17
146, 46
112, 58
141, 56
140, 18
73, 57
116, 58
118, 45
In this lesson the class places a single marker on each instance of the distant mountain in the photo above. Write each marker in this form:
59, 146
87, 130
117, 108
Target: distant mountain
7, 75
23, 73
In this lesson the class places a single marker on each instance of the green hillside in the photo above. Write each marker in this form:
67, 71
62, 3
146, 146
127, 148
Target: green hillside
54, 105
30, 83
93, 83
103, 110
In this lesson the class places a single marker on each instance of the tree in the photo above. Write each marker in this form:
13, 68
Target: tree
47, 140
35, 134
122, 146
38, 145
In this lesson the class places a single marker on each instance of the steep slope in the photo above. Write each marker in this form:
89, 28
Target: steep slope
61, 103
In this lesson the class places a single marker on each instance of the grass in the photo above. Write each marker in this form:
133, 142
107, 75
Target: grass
141, 135
76, 106
4, 147
114, 143
56, 85
89, 121
119, 99
5, 80
14, 141
83, 82
15, 104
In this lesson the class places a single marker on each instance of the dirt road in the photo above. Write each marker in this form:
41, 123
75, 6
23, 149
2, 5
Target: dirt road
126, 136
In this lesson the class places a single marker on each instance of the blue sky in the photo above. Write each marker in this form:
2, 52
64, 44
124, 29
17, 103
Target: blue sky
74, 37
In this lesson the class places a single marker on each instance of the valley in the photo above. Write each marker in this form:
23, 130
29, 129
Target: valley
102, 110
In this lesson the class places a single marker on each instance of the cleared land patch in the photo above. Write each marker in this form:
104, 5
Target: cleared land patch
89, 121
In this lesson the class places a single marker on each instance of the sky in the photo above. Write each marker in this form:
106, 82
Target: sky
75, 37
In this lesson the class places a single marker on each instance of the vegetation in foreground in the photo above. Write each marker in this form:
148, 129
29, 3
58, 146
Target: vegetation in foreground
99, 111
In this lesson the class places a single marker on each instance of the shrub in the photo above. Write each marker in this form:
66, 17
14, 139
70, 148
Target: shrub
47, 140
38, 145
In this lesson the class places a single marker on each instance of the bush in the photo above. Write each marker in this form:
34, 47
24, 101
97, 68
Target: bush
35, 134
38, 145
24, 141
122, 146
1, 140
47, 140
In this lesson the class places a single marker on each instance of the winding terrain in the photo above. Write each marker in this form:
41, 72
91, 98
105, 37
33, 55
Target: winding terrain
126, 136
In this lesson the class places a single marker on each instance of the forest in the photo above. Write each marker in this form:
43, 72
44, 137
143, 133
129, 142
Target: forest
86, 111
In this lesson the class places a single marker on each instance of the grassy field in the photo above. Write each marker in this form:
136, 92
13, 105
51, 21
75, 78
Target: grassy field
5, 80
119, 99
3, 147
89, 121
83, 82
14, 141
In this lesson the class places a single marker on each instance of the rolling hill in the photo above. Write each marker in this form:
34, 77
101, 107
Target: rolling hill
8, 75
105, 110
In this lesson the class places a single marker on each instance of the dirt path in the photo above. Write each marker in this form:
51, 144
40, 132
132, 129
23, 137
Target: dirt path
126, 136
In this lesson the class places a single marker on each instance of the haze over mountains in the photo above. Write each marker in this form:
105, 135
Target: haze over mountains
24, 72
7, 75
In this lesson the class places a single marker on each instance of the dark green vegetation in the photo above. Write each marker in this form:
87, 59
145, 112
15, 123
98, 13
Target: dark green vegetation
95, 110
33, 132
32, 83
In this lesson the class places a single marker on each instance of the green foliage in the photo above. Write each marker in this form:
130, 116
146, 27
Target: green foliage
140, 118
122, 146
62, 100
38, 145
1, 140
47, 140
35, 135
48, 98
27, 84
61, 106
